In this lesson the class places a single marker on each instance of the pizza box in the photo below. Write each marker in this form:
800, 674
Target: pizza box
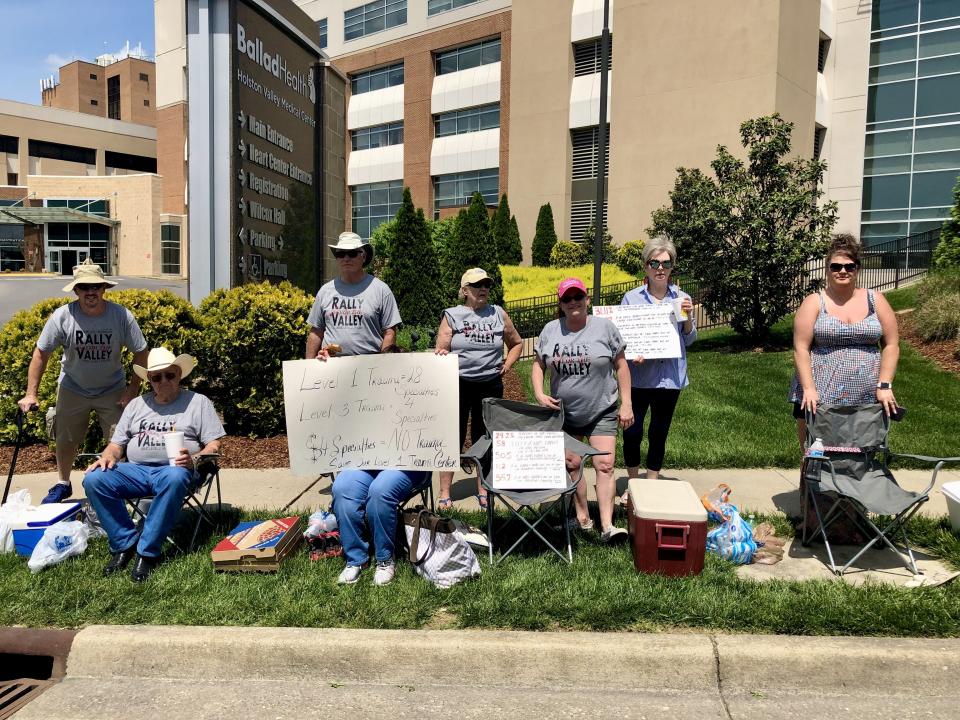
258, 545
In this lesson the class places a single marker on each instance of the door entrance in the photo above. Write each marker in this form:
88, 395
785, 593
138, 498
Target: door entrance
68, 259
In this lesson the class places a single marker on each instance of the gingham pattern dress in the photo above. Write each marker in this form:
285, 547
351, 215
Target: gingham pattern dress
845, 358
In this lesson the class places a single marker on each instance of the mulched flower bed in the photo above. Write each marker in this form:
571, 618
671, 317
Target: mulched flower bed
942, 352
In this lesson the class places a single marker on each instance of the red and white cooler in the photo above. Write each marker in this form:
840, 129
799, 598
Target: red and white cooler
668, 527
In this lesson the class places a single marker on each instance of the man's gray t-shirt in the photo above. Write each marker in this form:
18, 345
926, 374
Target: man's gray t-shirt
477, 340
144, 422
91, 364
355, 315
581, 367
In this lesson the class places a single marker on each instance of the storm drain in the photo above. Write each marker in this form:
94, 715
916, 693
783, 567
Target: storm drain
30, 662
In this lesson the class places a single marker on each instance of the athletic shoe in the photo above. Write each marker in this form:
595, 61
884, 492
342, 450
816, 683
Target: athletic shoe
384, 573
58, 493
613, 534
350, 574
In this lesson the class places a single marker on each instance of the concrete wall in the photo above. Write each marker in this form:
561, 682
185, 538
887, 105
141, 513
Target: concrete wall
170, 35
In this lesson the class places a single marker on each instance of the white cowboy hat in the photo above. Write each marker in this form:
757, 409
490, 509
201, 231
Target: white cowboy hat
352, 241
160, 359
87, 273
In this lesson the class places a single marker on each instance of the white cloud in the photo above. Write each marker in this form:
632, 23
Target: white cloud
54, 61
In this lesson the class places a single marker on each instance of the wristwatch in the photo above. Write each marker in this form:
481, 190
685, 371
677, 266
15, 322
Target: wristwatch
884, 386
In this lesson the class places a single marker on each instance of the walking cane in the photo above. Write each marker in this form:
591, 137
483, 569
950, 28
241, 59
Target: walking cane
16, 451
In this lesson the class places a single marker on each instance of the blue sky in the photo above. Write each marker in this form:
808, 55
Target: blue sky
41, 35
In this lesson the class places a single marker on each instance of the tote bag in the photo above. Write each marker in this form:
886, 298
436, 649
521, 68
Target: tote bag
438, 551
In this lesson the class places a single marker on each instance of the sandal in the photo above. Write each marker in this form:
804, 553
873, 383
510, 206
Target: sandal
445, 504
482, 499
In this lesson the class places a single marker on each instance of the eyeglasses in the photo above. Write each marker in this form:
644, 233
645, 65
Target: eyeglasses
86, 287
481, 284
849, 267
657, 264
575, 297
169, 376
338, 254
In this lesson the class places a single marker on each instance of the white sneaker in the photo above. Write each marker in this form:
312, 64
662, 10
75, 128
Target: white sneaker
385, 572
612, 534
349, 575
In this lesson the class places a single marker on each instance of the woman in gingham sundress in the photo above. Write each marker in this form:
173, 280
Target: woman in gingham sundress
845, 341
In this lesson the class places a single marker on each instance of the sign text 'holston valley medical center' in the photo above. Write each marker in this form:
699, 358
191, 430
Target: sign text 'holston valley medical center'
275, 64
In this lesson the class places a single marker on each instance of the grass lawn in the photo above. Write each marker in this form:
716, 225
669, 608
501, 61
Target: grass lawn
533, 591
735, 413
521, 282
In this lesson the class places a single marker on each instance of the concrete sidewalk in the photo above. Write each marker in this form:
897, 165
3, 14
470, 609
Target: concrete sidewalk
217, 672
759, 489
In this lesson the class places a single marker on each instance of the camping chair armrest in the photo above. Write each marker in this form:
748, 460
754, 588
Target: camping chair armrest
940, 462
571, 444
475, 455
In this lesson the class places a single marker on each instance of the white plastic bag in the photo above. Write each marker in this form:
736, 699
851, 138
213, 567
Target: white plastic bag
60, 541
15, 505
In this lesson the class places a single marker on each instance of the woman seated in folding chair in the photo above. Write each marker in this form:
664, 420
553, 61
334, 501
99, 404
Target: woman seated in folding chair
147, 470
587, 373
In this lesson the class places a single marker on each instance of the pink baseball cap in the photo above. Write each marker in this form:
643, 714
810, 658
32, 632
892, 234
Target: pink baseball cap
568, 284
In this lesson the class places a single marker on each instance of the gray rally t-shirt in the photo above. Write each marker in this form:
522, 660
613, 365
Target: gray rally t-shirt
144, 422
91, 364
581, 367
355, 315
477, 339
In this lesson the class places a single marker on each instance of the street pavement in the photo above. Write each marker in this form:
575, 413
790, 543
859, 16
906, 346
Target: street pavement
18, 292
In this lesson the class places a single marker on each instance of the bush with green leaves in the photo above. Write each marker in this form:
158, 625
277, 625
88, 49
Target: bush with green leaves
545, 237
503, 228
630, 257
247, 332
938, 318
471, 246
381, 239
947, 252
443, 233
567, 254
608, 253
937, 284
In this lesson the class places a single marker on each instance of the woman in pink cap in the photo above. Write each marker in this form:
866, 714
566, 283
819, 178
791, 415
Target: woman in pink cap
588, 375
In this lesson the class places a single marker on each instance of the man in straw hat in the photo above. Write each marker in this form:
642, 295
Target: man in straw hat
91, 332
152, 468
356, 313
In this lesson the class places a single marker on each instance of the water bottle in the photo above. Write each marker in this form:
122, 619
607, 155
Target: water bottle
816, 449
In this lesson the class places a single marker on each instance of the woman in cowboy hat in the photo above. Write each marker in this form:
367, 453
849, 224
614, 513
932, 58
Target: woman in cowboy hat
148, 470
92, 333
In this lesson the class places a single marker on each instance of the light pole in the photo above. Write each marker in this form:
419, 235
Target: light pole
598, 227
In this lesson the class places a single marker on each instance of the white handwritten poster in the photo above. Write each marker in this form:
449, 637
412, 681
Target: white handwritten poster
372, 411
648, 330
528, 460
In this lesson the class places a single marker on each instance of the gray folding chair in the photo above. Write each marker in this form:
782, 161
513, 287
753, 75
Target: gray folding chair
855, 474
507, 415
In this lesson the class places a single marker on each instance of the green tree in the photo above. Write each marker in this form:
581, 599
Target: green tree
947, 252
381, 239
747, 233
444, 233
545, 237
515, 239
609, 253
472, 246
509, 250
412, 271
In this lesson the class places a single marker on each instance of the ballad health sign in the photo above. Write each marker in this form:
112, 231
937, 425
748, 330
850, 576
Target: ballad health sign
254, 144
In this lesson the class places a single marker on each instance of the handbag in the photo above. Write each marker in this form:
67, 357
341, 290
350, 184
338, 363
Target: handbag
438, 551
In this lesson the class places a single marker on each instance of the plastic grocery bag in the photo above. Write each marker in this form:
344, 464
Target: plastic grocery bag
15, 505
60, 541
733, 538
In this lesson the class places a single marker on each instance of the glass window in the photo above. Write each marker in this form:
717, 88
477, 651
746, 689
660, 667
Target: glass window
374, 204
113, 97
939, 66
943, 42
9, 144
170, 249
439, 6
893, 13
933, 188
482, 117
887, 165
373, 17
892, 51
937, 161
927, 213
455, 190
890, 73
322, 29
886, 191
942, 137
939, 95
890, 102
377, 79
938, 10
888, 143
468, 56
874, 230
377, 136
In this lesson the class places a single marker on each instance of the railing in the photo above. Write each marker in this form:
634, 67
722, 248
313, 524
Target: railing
883, 267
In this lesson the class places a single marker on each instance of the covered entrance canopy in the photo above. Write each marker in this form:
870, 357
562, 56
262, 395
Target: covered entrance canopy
66, 235
44, 215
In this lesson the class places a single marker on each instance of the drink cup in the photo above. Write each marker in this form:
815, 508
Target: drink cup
173, 442
678, 312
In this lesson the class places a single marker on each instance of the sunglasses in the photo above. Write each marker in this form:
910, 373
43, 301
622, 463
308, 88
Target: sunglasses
657, 264
482, 284
346, 253
85, 287
160, 376
573, 297
849, 267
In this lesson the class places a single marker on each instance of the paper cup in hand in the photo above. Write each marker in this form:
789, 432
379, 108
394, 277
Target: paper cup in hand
678, 312
174, 443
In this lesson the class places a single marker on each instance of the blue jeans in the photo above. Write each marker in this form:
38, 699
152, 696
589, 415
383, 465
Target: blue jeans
107, 490
376, 494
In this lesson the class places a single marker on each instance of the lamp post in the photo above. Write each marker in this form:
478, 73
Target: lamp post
598, 227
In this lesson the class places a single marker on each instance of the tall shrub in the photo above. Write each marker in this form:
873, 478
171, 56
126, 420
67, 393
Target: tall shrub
509, 250
443, 233
413, 273
746, 233
381, 239
473, 246
247, 332
545, 237
608, 253
947, 253
630, 257
515, 238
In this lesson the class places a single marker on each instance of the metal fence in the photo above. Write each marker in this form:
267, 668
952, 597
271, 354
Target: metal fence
883, 267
